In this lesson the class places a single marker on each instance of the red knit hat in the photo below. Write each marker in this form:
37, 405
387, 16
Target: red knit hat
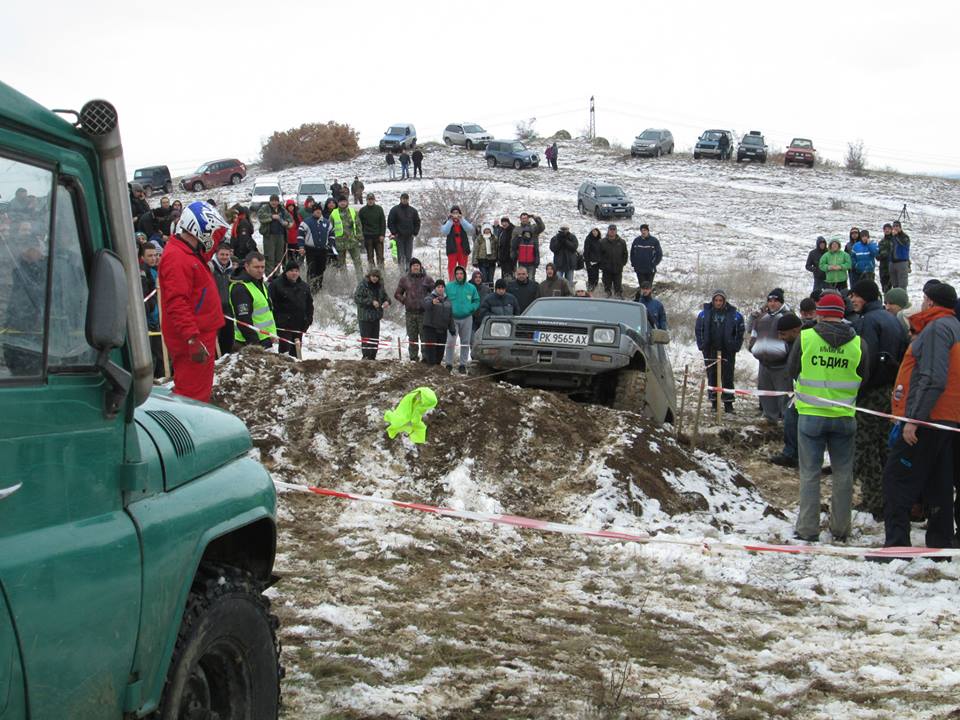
831, 305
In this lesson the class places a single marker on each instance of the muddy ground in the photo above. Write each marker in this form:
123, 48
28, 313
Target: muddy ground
399, 614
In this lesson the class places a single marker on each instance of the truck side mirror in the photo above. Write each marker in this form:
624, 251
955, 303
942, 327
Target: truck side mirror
659, 337
106, 323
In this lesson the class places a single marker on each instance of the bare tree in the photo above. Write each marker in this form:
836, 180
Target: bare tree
525, 129
856, 159
471, 197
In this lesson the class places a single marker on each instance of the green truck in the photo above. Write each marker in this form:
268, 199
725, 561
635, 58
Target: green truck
137, 536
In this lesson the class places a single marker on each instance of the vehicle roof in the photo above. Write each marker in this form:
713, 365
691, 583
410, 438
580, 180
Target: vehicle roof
509, 141
655, 130
803, 139
233, 160
17, 109
310, 179
264, 179
152, 167
573, 298
401, 124
718, 130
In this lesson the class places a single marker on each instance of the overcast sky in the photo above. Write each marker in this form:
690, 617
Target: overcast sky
196, 81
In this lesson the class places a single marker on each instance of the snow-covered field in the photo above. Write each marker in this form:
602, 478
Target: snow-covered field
396, 614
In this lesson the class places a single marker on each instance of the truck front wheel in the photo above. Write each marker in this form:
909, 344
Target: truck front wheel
630, 393
226, 663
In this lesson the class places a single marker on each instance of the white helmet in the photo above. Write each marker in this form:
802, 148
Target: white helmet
202, 220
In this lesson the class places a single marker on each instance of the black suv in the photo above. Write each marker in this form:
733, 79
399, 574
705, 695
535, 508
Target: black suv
153, 178
752, 147
603, 201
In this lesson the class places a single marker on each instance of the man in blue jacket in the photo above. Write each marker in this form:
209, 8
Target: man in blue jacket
720, 329
655, 310
645, 254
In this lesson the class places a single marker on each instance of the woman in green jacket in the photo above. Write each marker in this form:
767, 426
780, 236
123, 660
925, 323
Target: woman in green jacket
836, 264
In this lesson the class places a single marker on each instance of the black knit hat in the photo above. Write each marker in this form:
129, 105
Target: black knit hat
776, 294
941, 294
789, 322
290, 265
866, 289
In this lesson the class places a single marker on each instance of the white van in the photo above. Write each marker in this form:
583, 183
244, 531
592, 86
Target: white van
263, 188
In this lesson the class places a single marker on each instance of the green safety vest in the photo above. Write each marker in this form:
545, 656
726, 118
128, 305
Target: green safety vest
827, 373
338, 221
262, 314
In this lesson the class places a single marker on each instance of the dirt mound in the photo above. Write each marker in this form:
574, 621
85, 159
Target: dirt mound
538, 453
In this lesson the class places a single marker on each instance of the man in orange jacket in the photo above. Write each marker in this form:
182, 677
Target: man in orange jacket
927, 388
190, 301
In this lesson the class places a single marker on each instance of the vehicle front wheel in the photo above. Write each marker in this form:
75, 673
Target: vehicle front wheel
657, 153
468, 145
631, 392
670, 151
739, 159
517, 164
235, 179
491, 162
447, 141
226, 663
696, 156
197, 186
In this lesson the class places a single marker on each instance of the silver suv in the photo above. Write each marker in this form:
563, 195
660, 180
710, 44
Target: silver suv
652, 143
470, 135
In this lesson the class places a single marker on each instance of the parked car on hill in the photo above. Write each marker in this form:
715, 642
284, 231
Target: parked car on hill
263, 188
599, 350
603, 200
470, 135
752, 147
315, 187
401, 136
708, 145
653, 143
800, 151
511, 153
218, 172
156, 177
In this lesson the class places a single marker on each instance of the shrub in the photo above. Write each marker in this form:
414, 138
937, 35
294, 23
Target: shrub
856, 159
601, 142
837, 204
472, 197
526, 130
310, 144
561, 135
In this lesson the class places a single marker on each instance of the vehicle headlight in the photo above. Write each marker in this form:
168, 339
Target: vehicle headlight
604, 336
606, 205
500, 329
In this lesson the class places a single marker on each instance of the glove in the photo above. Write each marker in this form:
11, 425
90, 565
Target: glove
895, 432
198, 351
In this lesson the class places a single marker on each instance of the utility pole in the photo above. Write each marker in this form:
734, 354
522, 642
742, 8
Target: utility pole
593, 121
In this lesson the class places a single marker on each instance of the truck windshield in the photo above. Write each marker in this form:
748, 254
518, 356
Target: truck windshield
801, 143
202, 169
649, 135
266, 190
753, 140
710, 136
397, 131
473, 129
518, 147
312, 188
630, 314
609, 191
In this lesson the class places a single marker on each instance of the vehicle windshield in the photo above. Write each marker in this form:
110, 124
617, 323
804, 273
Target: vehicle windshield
312, 188
752, 140
518, 147
266, 190
203, 168
609, 191
398, 130
649, 135
801, 143
711, 136
473, 129
633, 315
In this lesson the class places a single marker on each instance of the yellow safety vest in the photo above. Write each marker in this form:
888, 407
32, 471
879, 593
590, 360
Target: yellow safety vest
827, 373
262, 314
338, 222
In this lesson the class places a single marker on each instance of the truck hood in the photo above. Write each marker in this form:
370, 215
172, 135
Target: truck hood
192, 438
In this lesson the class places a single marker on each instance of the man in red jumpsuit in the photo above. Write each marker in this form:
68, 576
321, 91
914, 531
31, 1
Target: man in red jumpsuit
190, 303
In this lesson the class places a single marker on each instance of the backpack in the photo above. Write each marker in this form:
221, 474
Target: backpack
525, 254
901, 251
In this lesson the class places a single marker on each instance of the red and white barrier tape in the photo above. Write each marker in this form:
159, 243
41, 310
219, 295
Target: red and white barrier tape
877, 413
705, 546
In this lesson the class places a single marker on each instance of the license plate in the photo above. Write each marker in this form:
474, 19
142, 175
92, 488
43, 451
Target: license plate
556, 338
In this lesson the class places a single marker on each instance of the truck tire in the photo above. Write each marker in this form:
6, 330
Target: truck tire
197, 186
696, 156
630, 393
491, 161
226, 662
235, 179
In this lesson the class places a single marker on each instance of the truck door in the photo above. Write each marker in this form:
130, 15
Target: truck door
69, 554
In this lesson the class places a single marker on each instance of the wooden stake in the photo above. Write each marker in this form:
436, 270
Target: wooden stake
298, 346
683, 399
399, 350
696, 418
719, 388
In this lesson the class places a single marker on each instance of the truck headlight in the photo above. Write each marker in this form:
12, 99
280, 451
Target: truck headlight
604, 336
500, 329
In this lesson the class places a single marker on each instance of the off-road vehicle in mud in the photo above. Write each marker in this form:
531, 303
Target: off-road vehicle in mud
136, 535
598, 350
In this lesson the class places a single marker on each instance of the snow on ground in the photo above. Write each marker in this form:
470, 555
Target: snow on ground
397, 614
